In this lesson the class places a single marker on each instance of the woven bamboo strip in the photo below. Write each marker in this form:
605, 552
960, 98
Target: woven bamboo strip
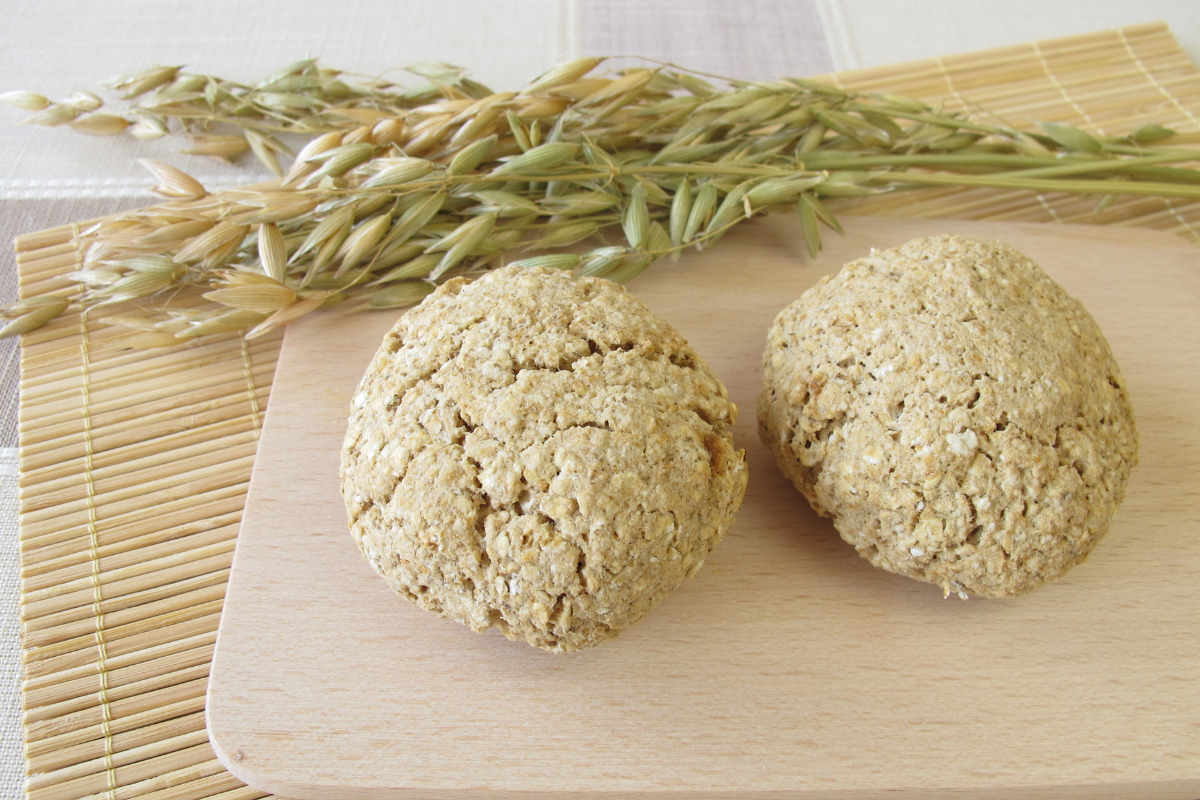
129, 707
155, 400
191, 392
61, 497
171, 487
173, 417
128, 637
207, 412
83, 703
39, 665
71, 779
1045, 99
129, 756
242, 793
214, 403
132, 539
1000, 71
121, 672
139, 619
220, 414
50, 283
63, 751
66, 624
64, 257
263, 364
1118, 79
171, 780
118, 370
79, 708
118, 582
51, 237
132, 531
46, 739
150, 459
217, 482
1105, 105
219, 786
1008, 59
47, 681
87, 751
131, 544
180, 580
141, 365
61, 329
201, 413
30, 257
145, 453
127, 776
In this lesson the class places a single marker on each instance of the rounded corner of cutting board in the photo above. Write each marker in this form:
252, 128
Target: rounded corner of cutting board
232, 756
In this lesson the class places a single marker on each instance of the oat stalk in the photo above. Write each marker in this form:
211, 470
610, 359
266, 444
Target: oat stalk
398, 190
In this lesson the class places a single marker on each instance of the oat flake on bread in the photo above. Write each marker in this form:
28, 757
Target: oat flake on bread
540, 454
958, 415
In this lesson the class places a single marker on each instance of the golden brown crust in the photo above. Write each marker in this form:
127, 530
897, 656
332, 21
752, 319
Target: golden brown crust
540, 454
957, 414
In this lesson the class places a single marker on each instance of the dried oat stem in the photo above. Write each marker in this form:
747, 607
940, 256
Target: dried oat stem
400, 189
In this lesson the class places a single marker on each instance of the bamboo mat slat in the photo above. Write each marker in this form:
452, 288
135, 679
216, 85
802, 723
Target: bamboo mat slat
135, 464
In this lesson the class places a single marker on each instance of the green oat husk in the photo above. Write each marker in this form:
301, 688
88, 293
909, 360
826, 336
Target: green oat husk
400, 189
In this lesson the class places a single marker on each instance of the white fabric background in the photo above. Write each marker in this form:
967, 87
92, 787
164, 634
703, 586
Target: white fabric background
54, 176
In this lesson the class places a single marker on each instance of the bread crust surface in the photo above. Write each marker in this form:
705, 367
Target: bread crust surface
956, 413
540, 454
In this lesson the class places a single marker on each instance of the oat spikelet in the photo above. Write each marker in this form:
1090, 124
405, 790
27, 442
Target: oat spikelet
272, 251
396, 184
173, 182
26, 101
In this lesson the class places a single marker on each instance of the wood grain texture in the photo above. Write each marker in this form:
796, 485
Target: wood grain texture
788, 667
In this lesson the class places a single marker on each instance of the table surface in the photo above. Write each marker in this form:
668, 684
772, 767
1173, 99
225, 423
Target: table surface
50, 177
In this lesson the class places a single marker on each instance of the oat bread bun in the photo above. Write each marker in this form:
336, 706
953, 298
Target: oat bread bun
957, 414
541, 454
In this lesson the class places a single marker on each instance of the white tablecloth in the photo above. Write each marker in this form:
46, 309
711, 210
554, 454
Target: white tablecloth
54, 176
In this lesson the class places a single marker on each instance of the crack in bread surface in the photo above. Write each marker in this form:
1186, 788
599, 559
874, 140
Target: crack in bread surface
958, 415
539, 454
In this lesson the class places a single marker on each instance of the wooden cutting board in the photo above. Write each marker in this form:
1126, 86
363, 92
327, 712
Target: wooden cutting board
788, 667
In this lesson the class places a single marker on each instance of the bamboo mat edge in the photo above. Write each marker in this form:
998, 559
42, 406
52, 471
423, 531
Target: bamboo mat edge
134, 466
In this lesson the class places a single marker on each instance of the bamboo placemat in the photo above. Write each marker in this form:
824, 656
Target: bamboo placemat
135, 464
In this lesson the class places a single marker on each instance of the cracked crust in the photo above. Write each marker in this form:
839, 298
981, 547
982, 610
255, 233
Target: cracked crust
957, 414
540, 454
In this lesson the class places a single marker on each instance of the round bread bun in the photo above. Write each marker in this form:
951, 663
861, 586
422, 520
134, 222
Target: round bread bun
957, 414
540, 454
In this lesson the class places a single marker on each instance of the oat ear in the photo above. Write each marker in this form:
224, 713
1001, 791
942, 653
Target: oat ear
173, 182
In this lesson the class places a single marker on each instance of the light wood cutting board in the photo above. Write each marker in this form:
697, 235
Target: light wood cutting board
788, 667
